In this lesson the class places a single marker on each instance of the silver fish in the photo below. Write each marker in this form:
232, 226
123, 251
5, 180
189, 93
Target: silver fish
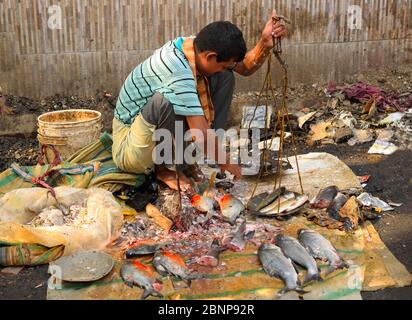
298, 254
137, 274
297, 204
287, 198
320, 248
277, 265
237, 241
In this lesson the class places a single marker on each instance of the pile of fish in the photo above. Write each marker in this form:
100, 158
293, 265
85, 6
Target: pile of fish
167, 252
335, 210
279, 259
279, 203
218, 226
165, 263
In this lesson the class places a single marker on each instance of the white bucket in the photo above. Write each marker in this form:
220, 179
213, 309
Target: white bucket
69, 131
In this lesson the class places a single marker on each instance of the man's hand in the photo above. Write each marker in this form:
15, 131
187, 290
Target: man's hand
233, 169
278, 31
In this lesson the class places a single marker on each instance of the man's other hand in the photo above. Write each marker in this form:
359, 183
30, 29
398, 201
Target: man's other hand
278, 31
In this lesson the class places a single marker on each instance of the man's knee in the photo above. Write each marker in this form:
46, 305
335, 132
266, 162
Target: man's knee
224, 79
157, 109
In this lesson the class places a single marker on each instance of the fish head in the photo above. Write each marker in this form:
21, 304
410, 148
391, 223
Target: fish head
225, 200
196, 200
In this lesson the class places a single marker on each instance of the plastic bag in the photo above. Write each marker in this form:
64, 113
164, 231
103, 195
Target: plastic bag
99, 225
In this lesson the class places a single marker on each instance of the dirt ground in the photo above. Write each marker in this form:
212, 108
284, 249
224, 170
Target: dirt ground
390, 175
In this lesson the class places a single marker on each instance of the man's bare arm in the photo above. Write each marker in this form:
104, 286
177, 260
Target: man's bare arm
256, 57
200, 123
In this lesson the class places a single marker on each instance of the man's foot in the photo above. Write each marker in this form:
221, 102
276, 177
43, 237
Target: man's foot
169, 178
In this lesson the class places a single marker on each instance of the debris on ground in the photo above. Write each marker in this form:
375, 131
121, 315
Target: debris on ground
364, 93
368, 200
338, 209
12, 270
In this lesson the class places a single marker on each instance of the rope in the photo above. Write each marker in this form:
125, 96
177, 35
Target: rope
282, 114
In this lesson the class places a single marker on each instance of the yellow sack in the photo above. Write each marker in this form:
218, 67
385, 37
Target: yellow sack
101, 222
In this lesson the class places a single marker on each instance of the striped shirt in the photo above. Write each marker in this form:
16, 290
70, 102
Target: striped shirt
167, 72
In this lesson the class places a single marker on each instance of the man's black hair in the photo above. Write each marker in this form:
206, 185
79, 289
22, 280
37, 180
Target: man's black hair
224, 38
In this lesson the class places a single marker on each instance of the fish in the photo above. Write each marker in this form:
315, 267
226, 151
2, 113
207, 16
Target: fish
336, 205
270, 198
204, 204
237, 241
143, 250
230, 207
211, 258
167, 263
277, 265
292, 249
255, 201
325, 197
285, 201
297, 204
137, 274
320, 248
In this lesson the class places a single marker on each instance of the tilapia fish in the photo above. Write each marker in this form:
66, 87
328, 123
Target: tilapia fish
230, 207
292, 249
204, 204
137, 274
211, 258
277, 265
336, 205
167, 263
325, 197
237, 241
320, 248
143, 250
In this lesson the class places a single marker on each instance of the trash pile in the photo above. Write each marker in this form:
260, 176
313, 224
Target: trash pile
357, 114
335, 209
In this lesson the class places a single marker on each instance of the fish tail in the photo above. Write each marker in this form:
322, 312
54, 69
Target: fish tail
150, 292
298, 289
312, 277
330, 270
301, 291
188, 282
343, 264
